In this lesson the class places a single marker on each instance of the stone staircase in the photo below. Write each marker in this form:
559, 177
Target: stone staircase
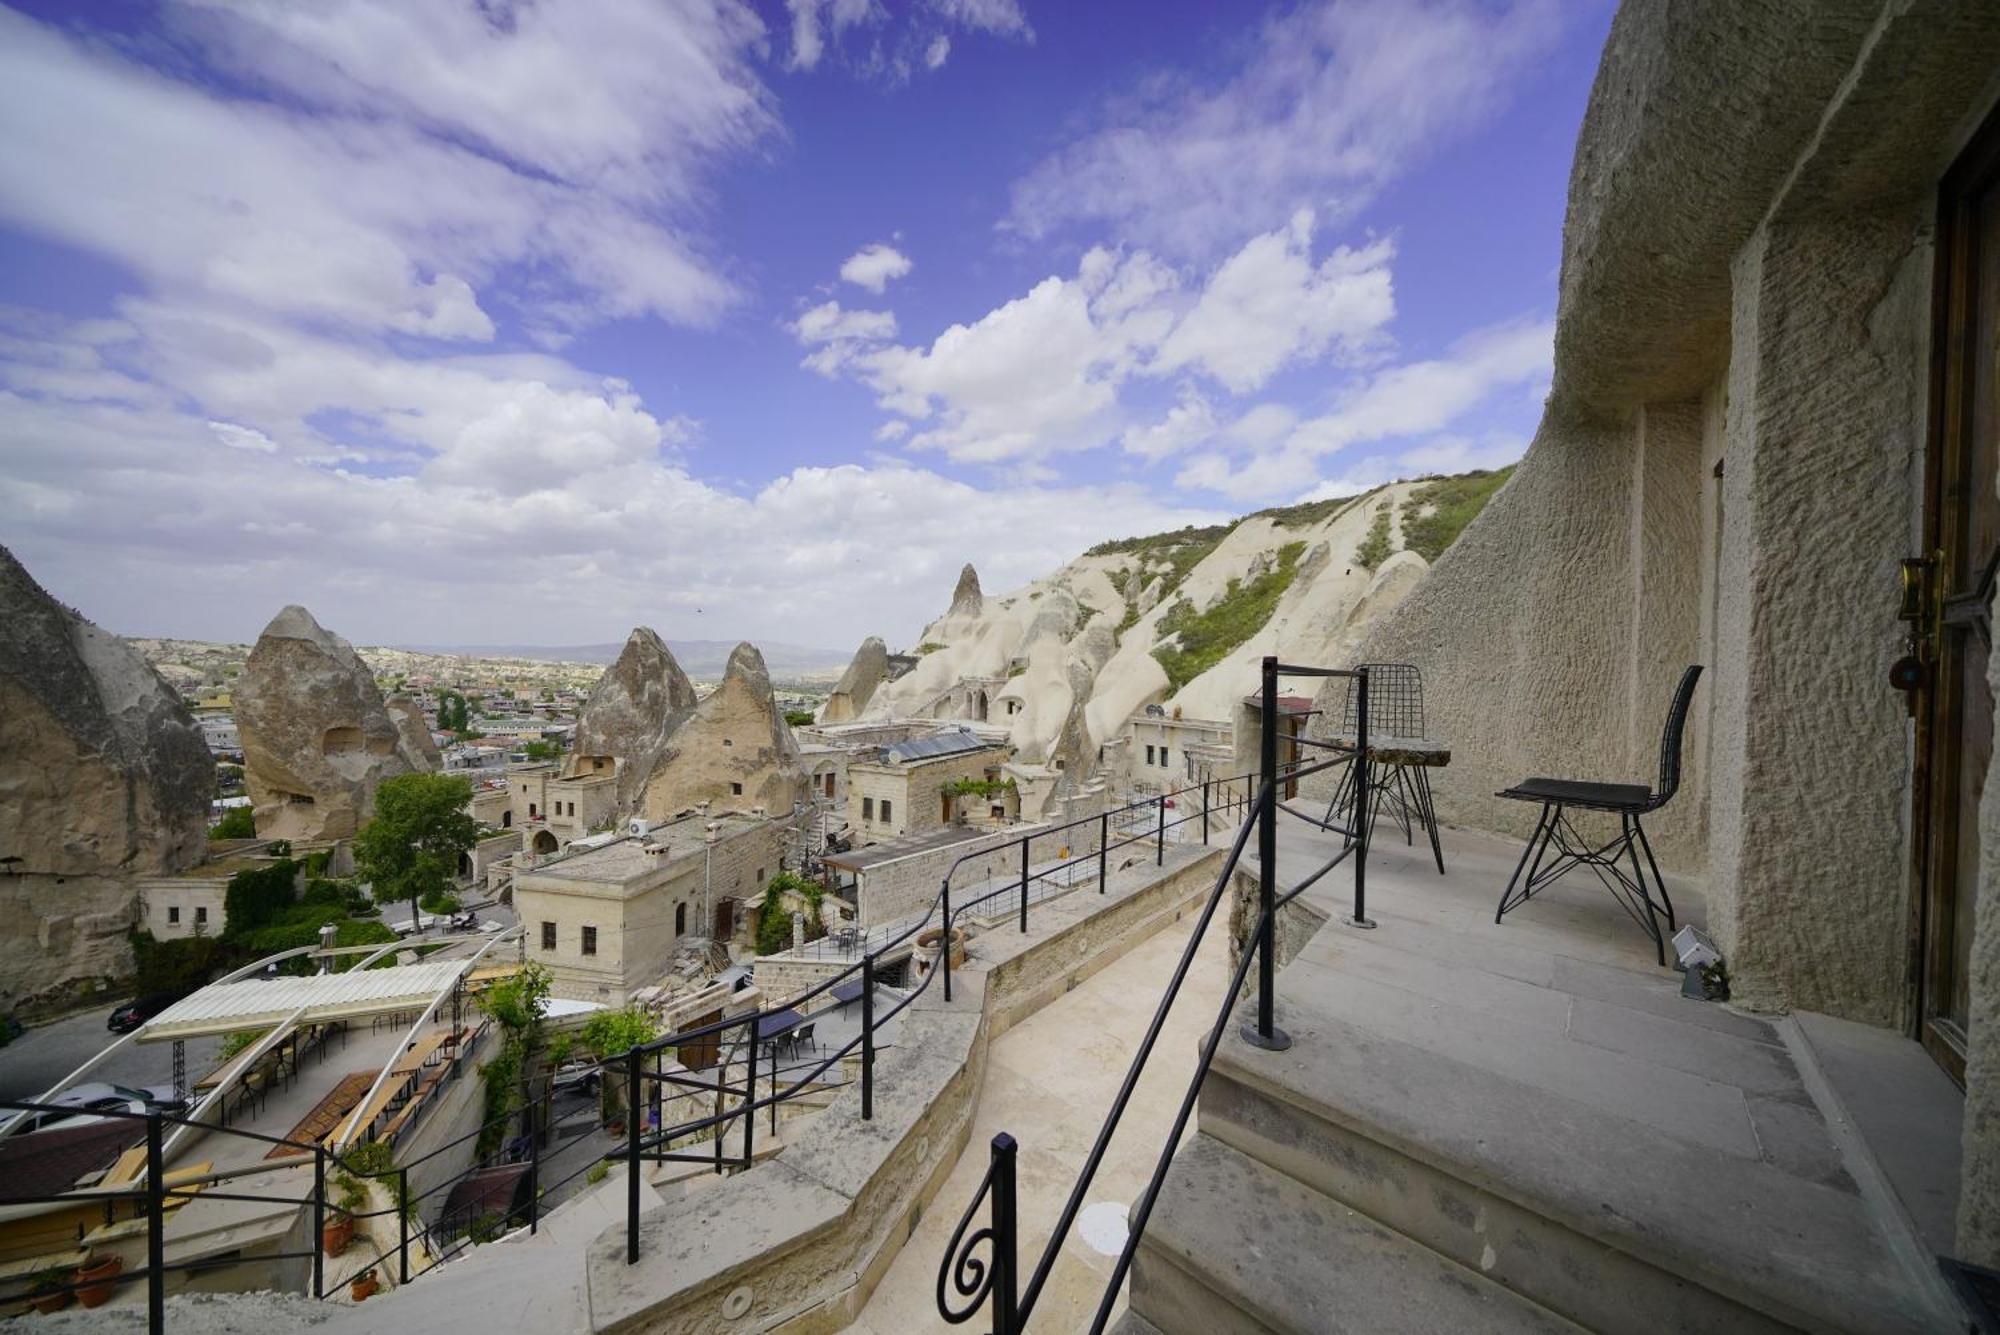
1469, 1135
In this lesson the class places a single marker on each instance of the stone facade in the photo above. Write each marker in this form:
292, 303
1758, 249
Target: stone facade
317, 736
913, 791
1729, 469
104, 777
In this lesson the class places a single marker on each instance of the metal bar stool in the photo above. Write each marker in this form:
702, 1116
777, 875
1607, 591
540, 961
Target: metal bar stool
1398, 746
1554, 832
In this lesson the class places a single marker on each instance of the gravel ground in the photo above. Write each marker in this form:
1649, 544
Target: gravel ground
199, 1313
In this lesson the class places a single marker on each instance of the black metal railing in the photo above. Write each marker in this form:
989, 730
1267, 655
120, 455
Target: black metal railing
725, 1139
980, 1268
152, 1196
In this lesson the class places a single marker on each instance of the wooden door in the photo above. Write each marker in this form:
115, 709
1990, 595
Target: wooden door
1962, 532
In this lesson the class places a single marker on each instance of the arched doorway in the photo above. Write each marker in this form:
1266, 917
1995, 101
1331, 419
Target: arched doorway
680, 919
544, 842
507, 819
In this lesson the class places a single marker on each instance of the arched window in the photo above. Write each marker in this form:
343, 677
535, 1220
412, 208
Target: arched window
680, 919
507, 819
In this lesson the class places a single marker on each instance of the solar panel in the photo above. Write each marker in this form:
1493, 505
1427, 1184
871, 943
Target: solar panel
939, 744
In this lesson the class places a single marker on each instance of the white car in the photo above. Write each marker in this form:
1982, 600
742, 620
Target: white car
88, 1103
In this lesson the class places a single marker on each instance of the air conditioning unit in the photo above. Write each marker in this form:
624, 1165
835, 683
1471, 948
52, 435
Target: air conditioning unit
638, 827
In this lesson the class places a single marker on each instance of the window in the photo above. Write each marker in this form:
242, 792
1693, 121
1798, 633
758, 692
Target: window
1149, 755
735, 789
201, 915
531, 811
1163, 757
868, 808
885, 809
727, 742
548, 936
173, 913
590, 940
680, 919
760, 876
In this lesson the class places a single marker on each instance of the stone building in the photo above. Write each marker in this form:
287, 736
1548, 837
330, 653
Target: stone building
1769, 448
907, 786
606, 919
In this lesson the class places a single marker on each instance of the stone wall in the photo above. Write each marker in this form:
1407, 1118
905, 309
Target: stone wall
895, 889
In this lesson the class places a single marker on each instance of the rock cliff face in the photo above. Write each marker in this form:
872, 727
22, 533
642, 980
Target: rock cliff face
103, 777
857, 685
317, 738
966, 600
633, 708
733, 750
415, 734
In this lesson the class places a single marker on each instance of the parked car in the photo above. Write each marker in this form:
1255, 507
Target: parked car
87, 1103
136, 1012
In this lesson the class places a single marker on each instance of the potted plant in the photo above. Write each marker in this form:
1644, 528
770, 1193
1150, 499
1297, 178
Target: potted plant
363, 1285
337, 1233
95, 1279
49, 1291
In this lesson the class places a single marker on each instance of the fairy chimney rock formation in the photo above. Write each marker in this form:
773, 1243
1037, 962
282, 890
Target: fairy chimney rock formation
317, 738
966, 599
104, 776
734, 750
638, 701
419, 747
868, 670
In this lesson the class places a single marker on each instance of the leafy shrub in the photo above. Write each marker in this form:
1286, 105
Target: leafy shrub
236, 823
774, 924
1437, 512
1375, 548
179, 965
1200, 640
799, 718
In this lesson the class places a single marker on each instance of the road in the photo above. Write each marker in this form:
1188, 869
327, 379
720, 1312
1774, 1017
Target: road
47, 1053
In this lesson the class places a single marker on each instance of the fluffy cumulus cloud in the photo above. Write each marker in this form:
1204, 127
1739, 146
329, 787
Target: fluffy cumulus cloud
1332, 100
875, 266
1042, 374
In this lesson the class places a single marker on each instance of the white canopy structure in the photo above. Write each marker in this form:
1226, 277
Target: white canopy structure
257, 1003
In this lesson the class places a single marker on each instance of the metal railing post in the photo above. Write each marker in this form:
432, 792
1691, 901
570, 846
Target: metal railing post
868, 1030
944, 929
403, 1224
774, 1088
319, 1221
750, 1096
1204, 811
1025, 841
1160, 836
1103, 851
156, 1228
632, 1155
1363, 797
1006, 1289
1265, 1032
534, 1171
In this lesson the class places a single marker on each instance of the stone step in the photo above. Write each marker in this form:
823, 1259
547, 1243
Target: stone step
1595, 1216
1131, 1323
1236, 1245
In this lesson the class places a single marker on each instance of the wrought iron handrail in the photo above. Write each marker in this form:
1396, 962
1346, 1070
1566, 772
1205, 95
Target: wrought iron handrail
978, 1280
739, 1101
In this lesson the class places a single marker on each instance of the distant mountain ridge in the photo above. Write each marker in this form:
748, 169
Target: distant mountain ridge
698, 658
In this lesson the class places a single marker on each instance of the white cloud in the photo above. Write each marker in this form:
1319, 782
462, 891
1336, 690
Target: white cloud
369, 209
836, 335
1331, 100
1187, 424
875, 266
899, 38
937, 52
809, 37
243, 438
1269, 306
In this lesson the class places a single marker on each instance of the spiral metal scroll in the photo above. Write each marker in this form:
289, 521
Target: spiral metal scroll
971, 1274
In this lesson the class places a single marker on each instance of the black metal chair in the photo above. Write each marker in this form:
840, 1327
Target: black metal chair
1628, 801
1397, 746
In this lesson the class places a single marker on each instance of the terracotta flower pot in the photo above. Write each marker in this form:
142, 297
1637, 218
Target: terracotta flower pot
95, 1280
49, 1302
336, 1234
927, 947
363, 1285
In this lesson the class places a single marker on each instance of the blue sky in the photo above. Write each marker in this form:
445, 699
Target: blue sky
529, 323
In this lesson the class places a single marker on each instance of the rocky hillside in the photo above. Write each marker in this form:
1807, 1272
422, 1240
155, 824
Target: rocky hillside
1178, 619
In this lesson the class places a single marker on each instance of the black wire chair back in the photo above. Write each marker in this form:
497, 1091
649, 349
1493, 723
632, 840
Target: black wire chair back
1395, 701
1671, 740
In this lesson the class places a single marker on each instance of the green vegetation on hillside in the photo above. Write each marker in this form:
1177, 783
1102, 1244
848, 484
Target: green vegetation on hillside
1375, 548
1437, 512
1203, 639
1307, 513
1153, 544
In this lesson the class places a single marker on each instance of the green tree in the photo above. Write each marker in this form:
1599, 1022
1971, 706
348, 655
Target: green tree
799, 718
236, 823
420, 830
611, 1034
543, 750
517, 1004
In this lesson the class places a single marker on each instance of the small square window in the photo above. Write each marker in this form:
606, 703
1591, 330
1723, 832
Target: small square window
868, 808
173, 913
1149, 755
548, 936
736, 790
200, 914
885, 808
760, 876
590, 940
